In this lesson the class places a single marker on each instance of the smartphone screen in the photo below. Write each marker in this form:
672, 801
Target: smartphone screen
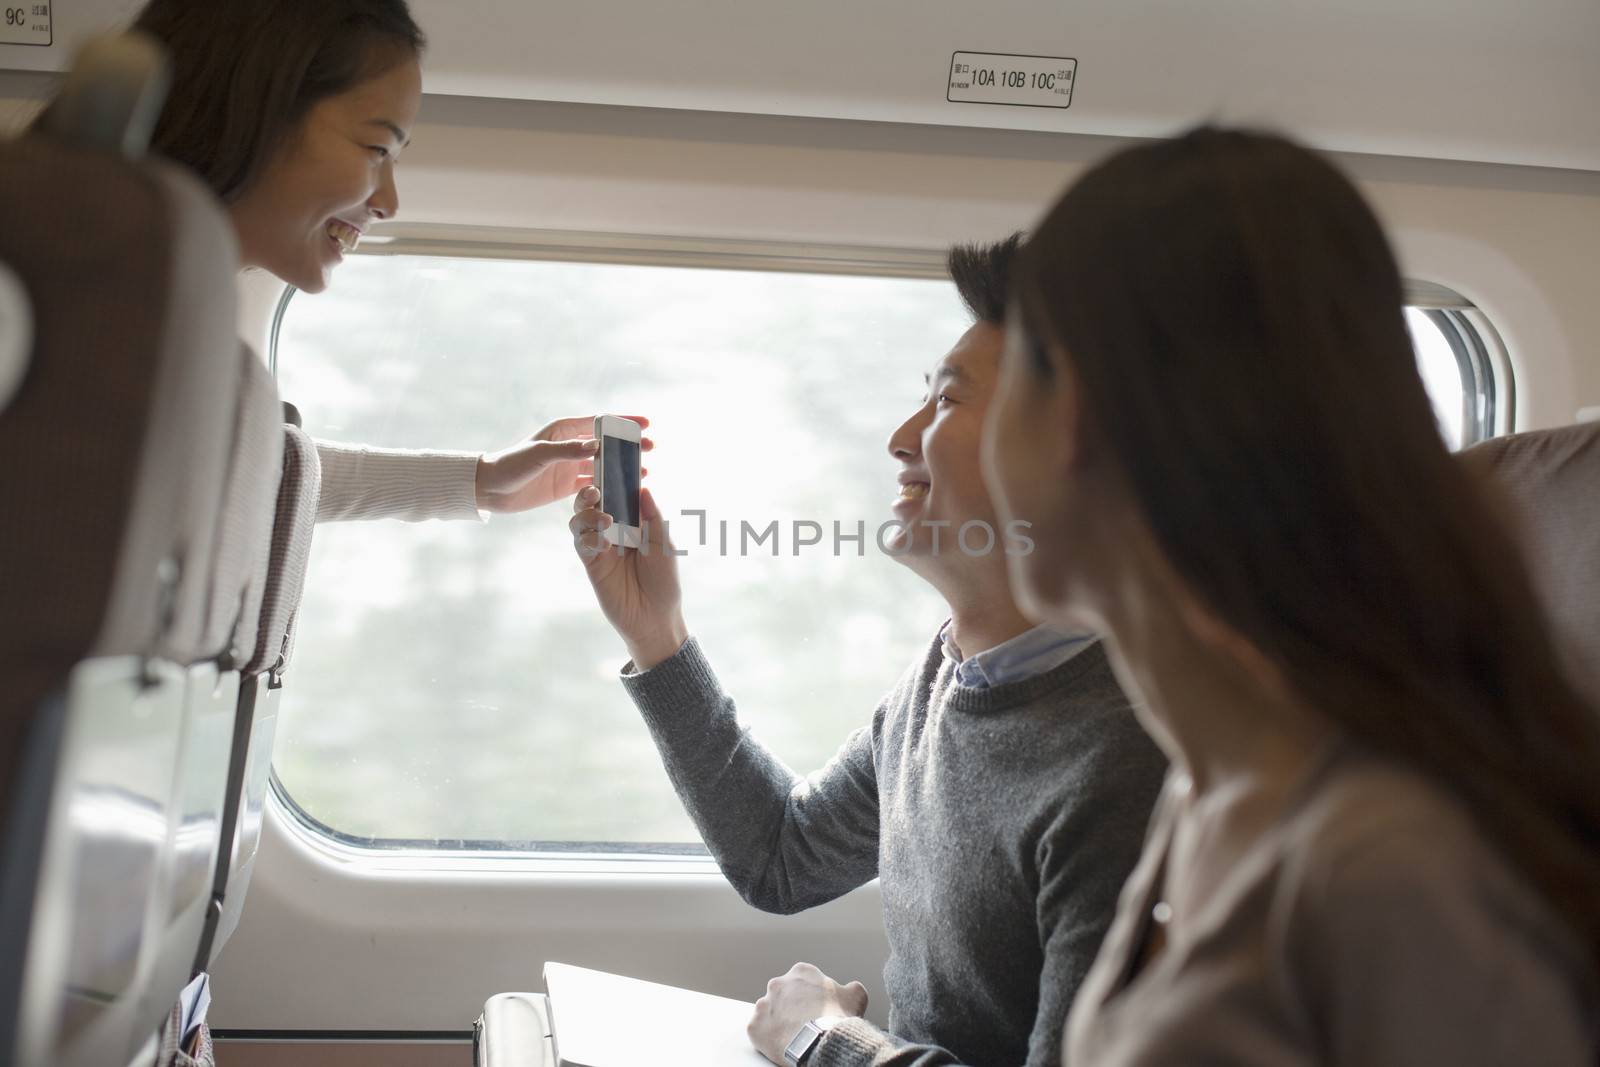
620, 480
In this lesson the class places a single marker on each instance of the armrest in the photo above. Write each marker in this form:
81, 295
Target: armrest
513, 1031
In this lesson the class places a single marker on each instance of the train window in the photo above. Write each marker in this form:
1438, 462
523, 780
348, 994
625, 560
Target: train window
1458, 370
454, 686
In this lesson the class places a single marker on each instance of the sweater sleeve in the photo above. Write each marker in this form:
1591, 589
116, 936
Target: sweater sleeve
857, 1043
785, 842
381, 483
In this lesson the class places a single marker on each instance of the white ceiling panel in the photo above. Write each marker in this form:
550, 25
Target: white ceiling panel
1501, 81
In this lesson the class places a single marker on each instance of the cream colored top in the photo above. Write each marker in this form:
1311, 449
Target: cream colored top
1371, 926
359, 482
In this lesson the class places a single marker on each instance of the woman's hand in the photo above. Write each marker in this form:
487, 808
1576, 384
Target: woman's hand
551, 465
637, 587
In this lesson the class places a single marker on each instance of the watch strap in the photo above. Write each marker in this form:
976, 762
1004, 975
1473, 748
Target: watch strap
805, 1041
798, 1050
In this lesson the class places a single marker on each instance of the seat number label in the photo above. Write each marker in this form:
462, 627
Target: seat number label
25, 22
1019, 81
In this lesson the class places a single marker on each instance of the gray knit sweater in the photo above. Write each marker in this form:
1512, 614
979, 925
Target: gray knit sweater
1001, 822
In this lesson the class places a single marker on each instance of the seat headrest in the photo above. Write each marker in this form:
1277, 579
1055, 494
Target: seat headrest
112, 97
1553, 479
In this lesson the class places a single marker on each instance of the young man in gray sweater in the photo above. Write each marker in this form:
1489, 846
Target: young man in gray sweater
1000, 791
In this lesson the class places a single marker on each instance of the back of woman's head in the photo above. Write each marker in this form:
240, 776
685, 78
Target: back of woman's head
246, 72
1232, 316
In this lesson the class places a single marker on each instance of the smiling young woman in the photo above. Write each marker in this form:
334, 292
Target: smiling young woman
314, 200
295, 113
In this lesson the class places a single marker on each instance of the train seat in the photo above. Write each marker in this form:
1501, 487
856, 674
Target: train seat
214, 685
1553, 479
140, 446
261, 687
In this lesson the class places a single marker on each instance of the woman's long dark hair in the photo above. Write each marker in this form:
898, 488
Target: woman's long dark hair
1233, 316
245, 72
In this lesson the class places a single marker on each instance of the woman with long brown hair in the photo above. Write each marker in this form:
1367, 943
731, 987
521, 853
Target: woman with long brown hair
295, 113
1380, 840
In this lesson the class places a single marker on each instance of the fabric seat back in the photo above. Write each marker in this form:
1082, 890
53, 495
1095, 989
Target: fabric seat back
1553, 478
259, 695
117, 434
239, 576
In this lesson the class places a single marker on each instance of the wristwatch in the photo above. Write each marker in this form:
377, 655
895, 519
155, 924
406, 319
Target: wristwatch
800, 1047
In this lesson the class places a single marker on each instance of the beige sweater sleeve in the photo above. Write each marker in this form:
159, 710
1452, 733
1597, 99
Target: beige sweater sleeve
359, 482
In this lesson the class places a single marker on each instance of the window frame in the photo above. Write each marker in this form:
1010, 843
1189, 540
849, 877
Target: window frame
473, 855
633, 250
1480, 355
444, 241
1489, 404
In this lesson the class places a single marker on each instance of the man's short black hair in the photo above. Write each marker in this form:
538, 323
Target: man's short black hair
982, 274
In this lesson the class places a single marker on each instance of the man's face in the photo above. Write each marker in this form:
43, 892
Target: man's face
940, 475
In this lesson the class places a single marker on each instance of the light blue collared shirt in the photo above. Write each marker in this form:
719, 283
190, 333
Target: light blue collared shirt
1024, 656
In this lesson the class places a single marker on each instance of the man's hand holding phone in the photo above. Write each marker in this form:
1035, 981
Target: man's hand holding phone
637, 587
